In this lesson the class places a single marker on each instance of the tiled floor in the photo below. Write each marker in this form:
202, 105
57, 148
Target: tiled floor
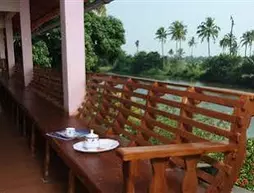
19, 171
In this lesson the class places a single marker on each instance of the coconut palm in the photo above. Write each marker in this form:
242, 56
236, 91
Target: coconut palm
229, 41
251, 37
234, 48
171, 52
224, 43
161, 35
180, 53
208, 30
192, 43
245, 41
137, 45
178, 32
231, 36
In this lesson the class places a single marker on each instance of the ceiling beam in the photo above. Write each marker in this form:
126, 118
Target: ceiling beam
55, 12
9, 6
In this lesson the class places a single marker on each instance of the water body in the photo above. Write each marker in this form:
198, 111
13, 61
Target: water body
231, 87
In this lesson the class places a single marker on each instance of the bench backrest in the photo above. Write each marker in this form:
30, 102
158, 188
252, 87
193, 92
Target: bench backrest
146, 112
48, 84
3, 65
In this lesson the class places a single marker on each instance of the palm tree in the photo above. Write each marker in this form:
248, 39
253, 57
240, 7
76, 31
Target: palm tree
161, 35
251, 39
180, 53
245, 41
178, 32
192, 43
137, 45
234, 48
224, 43
208, 30
171, 52
229, 41
231, 36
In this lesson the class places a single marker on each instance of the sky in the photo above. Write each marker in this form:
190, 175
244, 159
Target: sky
142, 18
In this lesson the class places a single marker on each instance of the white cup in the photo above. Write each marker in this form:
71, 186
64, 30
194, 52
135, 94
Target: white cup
70, 132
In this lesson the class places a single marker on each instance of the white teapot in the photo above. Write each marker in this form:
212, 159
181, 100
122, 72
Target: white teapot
91, 140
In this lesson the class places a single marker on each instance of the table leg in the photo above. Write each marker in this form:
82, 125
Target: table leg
17, 117
46, 162
32, 143
71, 185
24, 125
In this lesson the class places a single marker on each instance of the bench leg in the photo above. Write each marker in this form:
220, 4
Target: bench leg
17, 117
71, 185
46, 163
32, 143
24, 125
12, 111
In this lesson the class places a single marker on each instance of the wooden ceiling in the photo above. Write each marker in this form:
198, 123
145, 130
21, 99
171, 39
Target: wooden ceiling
45, 10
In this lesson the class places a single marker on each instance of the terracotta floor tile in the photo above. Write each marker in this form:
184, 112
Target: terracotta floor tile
19, 171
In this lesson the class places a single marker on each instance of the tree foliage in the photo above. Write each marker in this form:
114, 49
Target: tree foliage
229, 41
41, 54
177, 31
192, 43
104, 36
161, 35
208, 30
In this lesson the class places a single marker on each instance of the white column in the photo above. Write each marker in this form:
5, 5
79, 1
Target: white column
2, 44
73, 53
9, 43
26, 38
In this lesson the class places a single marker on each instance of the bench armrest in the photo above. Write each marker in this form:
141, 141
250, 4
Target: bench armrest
174, 150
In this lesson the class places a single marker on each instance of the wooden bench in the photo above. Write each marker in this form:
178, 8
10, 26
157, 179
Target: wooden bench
3, 66
33, 114
161, 128
176, 127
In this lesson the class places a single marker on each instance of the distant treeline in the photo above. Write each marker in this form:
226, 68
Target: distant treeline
226, 69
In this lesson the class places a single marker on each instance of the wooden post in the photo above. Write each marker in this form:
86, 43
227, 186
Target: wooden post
129, 177
159, 183
184, 113
190, 181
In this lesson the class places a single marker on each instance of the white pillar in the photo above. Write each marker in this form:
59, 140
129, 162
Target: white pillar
9, 43
26, 38
73, 53
2, 44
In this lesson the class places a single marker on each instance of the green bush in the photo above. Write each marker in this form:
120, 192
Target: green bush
41, 54
246, 179
222, 68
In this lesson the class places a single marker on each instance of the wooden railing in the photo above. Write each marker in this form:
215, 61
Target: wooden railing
144, 113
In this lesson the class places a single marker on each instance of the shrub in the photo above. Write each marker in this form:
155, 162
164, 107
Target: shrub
246, 179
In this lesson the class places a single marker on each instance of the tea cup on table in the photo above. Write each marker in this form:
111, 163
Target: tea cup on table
70, 132
91, 141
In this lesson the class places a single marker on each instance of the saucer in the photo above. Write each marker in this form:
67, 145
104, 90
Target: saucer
105, 145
